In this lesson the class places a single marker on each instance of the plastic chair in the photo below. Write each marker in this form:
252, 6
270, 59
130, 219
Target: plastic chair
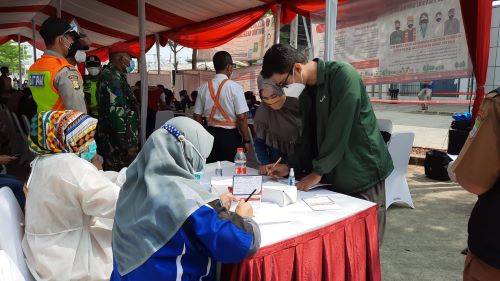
396, 186
162, 117
8, 269
385, 125
12, 225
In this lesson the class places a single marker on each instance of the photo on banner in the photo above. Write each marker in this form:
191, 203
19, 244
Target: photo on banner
403, 41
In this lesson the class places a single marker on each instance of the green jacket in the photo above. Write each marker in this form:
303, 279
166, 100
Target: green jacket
347, 149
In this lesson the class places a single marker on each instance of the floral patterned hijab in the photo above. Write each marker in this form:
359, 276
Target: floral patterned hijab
66, 131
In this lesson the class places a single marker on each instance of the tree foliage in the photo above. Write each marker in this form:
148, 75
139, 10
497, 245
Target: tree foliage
176, 48
9, 56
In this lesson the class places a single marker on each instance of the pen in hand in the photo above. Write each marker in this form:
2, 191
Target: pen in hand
277, 162
272, 167
249, 196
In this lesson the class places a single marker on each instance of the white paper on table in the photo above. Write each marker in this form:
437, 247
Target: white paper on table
271, 214
220, 185
243, 186
268, 179
279, 193
321, 203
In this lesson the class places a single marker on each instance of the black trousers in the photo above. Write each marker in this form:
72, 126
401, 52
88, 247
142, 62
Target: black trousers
226, 142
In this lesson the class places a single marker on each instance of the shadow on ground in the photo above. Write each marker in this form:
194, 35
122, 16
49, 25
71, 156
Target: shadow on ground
425, 243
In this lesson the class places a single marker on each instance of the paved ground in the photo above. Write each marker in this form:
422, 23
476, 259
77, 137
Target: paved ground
431, 128
425, 243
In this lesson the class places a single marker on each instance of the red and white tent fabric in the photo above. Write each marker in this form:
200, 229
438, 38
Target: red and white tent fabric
191, 23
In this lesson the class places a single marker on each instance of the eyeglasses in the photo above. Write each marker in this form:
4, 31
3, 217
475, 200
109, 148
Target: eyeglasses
284, 84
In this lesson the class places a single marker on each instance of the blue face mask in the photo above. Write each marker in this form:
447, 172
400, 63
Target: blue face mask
89, 152
130, 67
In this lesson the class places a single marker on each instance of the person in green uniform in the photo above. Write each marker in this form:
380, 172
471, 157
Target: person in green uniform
118, 109
340, 141
93, 65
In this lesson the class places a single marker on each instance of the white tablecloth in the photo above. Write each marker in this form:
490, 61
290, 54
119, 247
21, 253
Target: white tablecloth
281, 223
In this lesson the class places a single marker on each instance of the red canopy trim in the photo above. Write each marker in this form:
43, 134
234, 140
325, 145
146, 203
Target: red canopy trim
103, 52
38, 44
22, 9
214, 32
153, 14
15, 25
86, 24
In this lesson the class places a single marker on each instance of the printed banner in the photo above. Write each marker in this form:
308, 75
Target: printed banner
250, 45
414, 41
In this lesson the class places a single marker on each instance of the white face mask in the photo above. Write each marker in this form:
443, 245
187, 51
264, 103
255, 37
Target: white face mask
80, 56
295, 89
94, 71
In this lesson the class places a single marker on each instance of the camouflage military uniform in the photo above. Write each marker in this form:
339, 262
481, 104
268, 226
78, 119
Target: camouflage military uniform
118, 127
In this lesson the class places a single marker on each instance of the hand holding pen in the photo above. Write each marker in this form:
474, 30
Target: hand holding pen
277, 170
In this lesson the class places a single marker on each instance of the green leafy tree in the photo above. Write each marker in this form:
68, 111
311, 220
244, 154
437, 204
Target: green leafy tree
9, 56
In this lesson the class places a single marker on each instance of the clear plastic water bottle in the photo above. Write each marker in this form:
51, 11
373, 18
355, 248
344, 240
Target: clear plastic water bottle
218, 170
240, 162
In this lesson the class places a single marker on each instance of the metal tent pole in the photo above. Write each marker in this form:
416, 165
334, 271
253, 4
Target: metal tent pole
19, 53
331, 29
59, 8
157, 39
143, 70
33, 37
294, 32
309, 44
277, 24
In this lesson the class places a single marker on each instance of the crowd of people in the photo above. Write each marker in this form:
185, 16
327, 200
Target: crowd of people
100, 205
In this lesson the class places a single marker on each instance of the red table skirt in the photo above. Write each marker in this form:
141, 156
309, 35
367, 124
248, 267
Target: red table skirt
346, 250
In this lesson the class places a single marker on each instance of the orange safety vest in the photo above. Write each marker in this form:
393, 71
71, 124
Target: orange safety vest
226, 121
41, 77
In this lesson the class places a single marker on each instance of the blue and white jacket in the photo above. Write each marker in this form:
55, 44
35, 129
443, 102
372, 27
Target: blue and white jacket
211, 234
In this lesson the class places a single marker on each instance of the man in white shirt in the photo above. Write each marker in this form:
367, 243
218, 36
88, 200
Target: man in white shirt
222, 102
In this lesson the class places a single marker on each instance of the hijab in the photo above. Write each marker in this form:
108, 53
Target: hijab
278, 128
61, 132
160, 192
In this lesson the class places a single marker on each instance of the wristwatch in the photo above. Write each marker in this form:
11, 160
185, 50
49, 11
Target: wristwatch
246, 141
